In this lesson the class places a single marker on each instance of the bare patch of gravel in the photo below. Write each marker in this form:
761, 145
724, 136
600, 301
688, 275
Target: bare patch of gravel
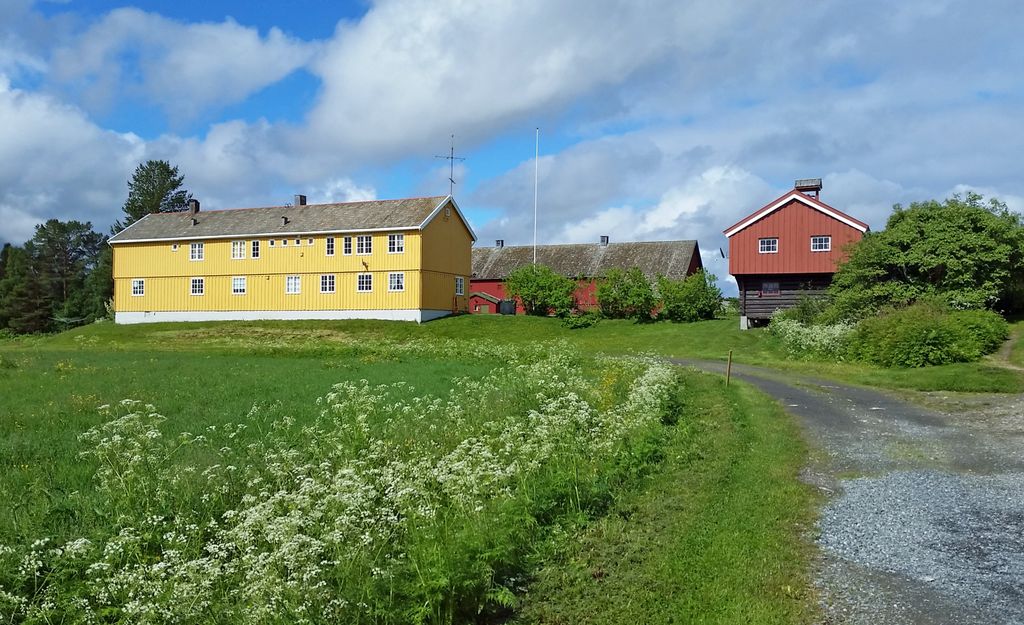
951, 545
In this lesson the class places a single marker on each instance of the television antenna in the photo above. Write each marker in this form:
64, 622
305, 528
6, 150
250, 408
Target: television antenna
451, 158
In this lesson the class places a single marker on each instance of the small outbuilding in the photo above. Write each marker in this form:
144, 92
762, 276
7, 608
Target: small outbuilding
584, 262
787, 250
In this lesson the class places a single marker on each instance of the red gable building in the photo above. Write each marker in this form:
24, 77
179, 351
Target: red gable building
787, 250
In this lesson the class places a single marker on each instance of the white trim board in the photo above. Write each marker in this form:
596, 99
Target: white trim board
803, 199
407, 314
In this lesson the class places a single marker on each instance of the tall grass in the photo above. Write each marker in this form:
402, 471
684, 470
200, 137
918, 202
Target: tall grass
388, 507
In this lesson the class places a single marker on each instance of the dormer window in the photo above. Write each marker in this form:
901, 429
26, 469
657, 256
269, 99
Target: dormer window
768, 246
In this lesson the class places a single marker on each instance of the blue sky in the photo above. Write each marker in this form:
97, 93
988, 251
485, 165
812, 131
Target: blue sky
661, 120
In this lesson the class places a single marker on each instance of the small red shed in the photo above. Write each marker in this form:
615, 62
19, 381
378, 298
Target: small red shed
788, 249
584, 262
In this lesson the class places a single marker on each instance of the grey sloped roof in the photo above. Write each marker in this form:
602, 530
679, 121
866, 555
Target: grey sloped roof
666, 258
350, 216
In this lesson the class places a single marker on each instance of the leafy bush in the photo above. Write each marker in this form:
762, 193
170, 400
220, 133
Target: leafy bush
695, 298
920, 335
988, 328
626, 295
584, 319
966, 252
384, 509
541, 290
802, 340
808, 310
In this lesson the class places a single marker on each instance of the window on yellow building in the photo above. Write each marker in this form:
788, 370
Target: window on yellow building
198, 286
138, 287
364, 245
293, 285
396, 281
364, 282
237, 250
396, 243
330, 246
460, 285
327, 283
346, 246
196, 251
255, 249
238, 285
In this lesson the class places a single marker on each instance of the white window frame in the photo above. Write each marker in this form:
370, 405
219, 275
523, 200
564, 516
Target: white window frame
309, 241
196, 251
298, 242
138, 287
330, 246
396, 282
201, 283
272, 242
234, 283
364, 245
284, 242
359, 282
290, 282
238, 250
460, 285
327, 283
821, 243
346, 246
255, 249
768, 245
396, 244
174, 247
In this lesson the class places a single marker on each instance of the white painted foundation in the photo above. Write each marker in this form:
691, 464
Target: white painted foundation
411, 314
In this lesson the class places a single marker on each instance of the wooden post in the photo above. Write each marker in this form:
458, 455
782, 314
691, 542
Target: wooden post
728, 369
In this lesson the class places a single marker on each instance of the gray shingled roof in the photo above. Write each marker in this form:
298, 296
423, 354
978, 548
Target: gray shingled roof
350, 216
667, 258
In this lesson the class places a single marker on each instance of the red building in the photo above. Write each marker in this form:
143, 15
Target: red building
787, 250
582, 261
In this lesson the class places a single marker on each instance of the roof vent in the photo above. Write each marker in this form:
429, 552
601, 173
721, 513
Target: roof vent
284, 220
499, 243
604, 239
193, 206
194, 221
808, 186
300, 200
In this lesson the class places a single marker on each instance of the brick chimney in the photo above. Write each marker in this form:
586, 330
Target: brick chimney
193, 206
300, 200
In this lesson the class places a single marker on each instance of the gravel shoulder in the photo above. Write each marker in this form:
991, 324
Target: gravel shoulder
925, 517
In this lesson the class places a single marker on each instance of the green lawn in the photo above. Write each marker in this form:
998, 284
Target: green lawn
707, 340
717, 536
1017, 352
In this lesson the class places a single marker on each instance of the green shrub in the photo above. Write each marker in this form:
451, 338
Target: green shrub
915, 336
988, 328
801, 340
584, 319
626, 295
541, 290
694, 298
808, 310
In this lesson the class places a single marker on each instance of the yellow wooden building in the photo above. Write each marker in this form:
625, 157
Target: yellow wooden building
385, 259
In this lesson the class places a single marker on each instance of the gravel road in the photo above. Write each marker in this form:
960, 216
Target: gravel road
925, 518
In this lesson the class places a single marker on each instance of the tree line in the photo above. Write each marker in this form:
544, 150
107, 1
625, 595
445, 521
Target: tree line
63, 275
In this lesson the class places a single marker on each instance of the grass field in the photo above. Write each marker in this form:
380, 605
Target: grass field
237, 406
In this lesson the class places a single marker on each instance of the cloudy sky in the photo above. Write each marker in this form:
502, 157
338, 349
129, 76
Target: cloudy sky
658, 119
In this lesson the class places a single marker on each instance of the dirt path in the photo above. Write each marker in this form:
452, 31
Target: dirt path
925, 517
1002, 356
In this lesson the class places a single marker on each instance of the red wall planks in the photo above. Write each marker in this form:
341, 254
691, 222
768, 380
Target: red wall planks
793, 225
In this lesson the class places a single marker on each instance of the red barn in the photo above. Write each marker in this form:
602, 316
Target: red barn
582, 261
788, 249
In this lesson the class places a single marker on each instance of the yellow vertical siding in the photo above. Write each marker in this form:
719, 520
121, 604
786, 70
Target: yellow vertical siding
168, 276
447, 253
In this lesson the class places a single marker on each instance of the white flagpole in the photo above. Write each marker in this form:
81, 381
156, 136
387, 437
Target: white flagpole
536, 156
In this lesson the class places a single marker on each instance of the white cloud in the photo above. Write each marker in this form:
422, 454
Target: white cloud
55, 162
341, 190
182, 68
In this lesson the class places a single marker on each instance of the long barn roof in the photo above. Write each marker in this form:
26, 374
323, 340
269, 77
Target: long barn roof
369, 216
666, 258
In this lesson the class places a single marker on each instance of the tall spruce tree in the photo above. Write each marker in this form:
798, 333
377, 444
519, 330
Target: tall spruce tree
155, 187
24, 304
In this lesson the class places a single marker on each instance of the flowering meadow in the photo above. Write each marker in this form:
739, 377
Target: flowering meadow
390, 506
